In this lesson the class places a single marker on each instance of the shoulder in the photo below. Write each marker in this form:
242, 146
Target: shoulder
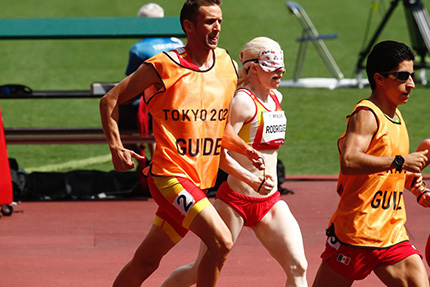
236, 67
243, 107
243, 102
278, 95
173, 54
243, 96
365, 111
363, 119
223, 53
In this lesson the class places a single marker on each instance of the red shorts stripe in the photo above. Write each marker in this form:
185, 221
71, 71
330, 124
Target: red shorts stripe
356, 263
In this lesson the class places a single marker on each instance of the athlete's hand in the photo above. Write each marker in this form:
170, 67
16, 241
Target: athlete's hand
413, 181
424, 198
416, 161
267, 185
263, 184
256, 158
122, 159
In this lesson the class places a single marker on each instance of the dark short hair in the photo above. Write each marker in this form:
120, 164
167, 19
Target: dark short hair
190, 9
385, 57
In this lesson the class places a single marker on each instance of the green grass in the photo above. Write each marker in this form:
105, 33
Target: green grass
316, 117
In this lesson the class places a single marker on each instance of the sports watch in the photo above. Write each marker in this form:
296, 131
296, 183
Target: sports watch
399, 161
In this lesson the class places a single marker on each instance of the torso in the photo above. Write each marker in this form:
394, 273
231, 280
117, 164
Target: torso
270, 153
371, 211
188, 131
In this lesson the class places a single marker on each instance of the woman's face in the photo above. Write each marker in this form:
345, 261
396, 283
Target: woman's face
270, 80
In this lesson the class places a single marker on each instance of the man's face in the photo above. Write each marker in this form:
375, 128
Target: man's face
208, 26
396, 90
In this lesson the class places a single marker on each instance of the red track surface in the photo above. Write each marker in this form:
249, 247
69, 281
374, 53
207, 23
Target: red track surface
87, 243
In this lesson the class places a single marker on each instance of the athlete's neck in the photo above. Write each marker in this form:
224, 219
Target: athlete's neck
259, 92
202, 58
382, 102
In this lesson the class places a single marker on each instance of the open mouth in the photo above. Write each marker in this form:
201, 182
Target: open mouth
213, 39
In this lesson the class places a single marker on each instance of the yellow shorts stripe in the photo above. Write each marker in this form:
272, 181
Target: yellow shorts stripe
168, 229
197, 208
168, 186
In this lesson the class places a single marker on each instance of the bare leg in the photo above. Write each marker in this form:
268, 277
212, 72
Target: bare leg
280, 234
409, 272
212, 230
327, 277
146, 259
186, 275
208, 225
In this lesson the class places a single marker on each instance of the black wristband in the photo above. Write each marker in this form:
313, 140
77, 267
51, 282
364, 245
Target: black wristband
261, 184
422, 193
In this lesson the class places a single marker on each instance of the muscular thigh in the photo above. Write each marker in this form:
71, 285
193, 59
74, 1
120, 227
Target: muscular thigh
279, 232
409, 272
179, 201
231, 218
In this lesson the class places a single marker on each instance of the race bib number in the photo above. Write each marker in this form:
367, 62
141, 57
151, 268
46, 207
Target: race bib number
184, 201
333, 242
275, 125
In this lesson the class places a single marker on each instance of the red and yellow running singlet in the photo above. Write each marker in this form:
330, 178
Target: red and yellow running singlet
189, 114
266, 129
371, 211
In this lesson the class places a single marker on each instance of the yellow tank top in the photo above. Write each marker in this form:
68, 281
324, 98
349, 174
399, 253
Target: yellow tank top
189, 114
371, 211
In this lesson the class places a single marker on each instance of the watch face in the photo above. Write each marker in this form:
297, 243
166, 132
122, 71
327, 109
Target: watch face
399, 160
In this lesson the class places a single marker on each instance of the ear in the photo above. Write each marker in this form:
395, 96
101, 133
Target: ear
253, 67
188, 25
378, 78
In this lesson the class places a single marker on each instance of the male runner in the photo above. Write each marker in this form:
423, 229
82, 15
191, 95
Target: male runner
367, 231
193, 88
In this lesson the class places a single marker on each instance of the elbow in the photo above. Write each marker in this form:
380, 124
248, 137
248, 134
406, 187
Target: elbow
103, 103
347, 166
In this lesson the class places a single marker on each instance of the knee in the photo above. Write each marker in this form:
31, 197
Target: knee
222, 247
298, 269
225, 246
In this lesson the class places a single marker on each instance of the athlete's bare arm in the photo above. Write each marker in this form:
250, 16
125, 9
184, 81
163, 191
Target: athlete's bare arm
141, 79
231, 141
258, 183
354, 160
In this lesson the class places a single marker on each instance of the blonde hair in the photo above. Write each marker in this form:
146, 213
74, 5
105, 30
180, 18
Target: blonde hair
151, 10
250, 51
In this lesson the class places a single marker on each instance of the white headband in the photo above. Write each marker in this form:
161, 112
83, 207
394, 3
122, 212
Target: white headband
269, 60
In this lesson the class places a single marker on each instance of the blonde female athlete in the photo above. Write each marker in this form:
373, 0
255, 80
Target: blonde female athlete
257, 117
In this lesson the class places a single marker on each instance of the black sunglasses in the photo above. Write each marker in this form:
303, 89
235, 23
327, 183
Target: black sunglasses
402, 76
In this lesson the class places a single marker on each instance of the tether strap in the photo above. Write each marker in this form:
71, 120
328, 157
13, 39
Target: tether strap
261, 184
